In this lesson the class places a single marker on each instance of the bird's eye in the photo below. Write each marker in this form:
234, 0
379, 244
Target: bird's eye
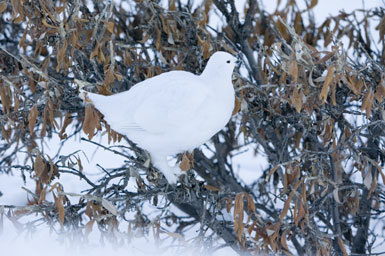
228, 61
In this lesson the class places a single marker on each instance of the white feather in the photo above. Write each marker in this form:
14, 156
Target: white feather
173, 112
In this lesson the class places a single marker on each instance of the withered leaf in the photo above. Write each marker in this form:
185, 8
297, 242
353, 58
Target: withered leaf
284, 241
6, 97
325, 88
91, 121
229, 204
342, 246
293, 70
250, 204
367, 102
286, 206
23, 38
110, 26
313, 3
282, 29
272, 171
44, 124
238, 215
32, 119
300, 213
89, 211
88, 227
3, 6
237, 106
95, 51
185, 165
296, 99
380, 91
59, 207
381, 28
211, 188
67, 121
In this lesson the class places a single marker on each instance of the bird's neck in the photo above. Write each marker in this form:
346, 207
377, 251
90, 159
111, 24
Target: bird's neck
217, 78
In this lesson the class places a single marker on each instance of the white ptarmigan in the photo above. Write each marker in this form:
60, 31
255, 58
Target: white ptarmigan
173, 112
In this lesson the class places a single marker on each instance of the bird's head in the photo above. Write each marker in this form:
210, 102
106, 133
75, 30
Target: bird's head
220, 64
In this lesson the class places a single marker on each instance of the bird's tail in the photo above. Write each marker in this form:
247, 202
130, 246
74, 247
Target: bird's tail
89, 97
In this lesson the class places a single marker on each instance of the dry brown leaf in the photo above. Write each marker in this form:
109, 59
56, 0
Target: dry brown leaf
381, 28
300, 214
251, 227
313, 3
6, 133
23, 38
33, 113
272, 171
238, 215
328, 56
51, 109
89, 211
95, 51
79, 163
88, 227
293, 70
91, 121
325, 88
342, 246
284, 241
206, 48
297, 139
3, 6
380, 91
367, 102
61, 210
185, 165
237, 106
44, 123
286, 206
229, 204
171, 5
211, 188
39, 165
250, 204
282, 29
6, 97
66, 122
298, 23
296, 99
333, 87
45, 23
110, 26
381, 173
59, 207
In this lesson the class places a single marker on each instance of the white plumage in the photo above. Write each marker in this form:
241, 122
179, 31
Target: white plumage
174, 111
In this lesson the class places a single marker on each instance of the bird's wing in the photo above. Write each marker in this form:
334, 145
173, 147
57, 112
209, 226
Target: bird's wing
156, 105
167, 101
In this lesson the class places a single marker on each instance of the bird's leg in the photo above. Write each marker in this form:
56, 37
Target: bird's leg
161, 163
